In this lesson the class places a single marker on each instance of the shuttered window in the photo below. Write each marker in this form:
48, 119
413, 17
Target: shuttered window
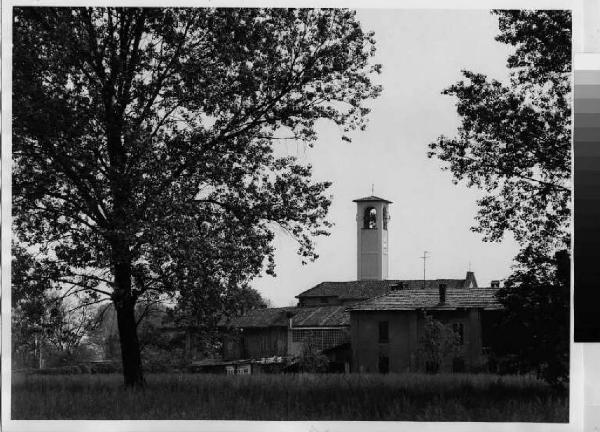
384, 334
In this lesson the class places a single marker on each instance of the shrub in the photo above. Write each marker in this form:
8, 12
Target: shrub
437, 345
311, 360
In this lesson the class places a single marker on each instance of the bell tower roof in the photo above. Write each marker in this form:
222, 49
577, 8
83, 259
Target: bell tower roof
371, 198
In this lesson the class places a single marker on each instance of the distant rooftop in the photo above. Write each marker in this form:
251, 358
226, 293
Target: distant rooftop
337, 316
477, 298
371, 198
364, 289
321, 316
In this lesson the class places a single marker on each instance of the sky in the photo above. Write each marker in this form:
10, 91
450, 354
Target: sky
422, 52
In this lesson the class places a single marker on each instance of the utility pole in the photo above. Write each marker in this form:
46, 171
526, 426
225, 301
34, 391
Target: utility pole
424, 258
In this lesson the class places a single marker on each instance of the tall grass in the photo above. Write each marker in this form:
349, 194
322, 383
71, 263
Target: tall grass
414, 397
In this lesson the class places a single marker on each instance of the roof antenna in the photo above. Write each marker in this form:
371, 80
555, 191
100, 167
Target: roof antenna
373, 189
424, 257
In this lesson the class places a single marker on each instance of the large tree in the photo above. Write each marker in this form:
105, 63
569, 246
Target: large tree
514, 143
32, 284
47, 322
533, 332
144, 141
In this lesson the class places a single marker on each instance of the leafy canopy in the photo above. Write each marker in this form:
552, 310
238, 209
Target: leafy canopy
147, 136
514, 141
44, 324
438, 344
533, 333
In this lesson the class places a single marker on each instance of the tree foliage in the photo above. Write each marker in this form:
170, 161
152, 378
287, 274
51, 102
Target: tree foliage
45, 327
145, 141
533, 333
311, 360
199, 310
31, 284
166, 329
438, 344
514, 141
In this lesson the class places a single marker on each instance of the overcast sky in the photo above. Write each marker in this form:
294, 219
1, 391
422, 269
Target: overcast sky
422, 52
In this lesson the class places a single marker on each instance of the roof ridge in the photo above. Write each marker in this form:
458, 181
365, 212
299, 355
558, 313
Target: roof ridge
368, 300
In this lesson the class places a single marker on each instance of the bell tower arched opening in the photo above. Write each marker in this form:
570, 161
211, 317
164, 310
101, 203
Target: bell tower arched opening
370, 218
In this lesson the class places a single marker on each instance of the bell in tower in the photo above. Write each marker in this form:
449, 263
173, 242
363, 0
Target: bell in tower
372, 233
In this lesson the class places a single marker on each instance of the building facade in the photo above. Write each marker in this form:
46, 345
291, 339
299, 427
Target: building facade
372, 324
284, 332
387, 332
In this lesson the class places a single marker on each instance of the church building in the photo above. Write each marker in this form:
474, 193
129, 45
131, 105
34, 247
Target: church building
371, 324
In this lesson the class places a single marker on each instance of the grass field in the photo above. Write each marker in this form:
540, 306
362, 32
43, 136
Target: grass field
413, 397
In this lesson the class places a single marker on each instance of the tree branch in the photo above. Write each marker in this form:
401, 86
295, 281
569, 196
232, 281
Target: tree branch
88, 304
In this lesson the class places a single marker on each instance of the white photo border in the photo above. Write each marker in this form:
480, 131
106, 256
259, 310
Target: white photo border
576, 396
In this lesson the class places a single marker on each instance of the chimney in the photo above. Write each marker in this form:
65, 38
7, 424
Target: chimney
289, 315
442, 293
495, 284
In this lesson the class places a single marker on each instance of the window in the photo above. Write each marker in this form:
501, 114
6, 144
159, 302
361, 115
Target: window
370, 218
320, 339
384, 364
459, 329
385, 217
384, 334
324, 300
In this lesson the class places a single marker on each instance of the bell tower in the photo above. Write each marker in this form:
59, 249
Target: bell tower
372, 218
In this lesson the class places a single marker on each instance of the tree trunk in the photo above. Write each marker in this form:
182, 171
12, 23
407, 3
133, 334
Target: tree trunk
124, 302
130, 345
120, 223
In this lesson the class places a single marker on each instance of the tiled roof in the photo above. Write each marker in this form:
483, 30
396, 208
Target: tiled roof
321, 316
371, 198
365, 289
259, 318
483, 298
